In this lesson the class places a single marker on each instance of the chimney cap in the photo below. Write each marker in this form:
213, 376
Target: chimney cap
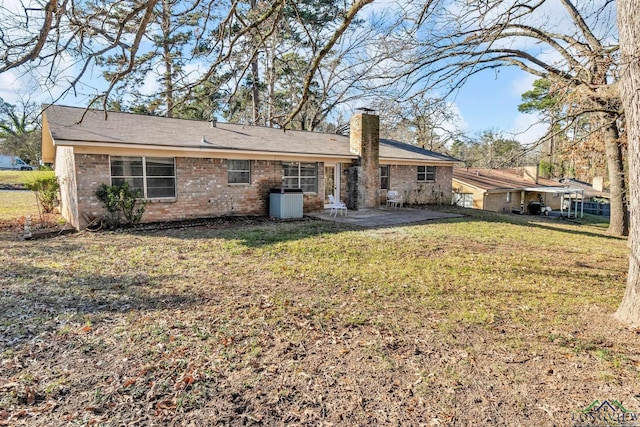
366, 110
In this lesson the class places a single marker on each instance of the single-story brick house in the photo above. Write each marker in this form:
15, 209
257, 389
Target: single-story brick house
193, 169
507, 190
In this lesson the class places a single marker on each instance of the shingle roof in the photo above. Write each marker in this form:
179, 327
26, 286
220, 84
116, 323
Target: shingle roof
589, 191
497, 179
67, 124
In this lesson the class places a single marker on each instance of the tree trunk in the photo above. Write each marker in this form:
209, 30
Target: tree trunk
629, 30
271, 82
168, 60
255, 94
619, 220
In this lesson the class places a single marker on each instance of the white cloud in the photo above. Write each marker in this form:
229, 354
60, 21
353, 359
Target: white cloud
522, 84
458, 122
527, 128
10, 86
17, 6
151, 85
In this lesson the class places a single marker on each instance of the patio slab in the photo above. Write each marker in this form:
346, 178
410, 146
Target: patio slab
383, 217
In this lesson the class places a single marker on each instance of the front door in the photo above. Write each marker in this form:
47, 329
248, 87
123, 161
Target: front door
331, 182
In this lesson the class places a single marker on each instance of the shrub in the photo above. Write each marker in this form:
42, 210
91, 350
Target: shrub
46, 189
124, 205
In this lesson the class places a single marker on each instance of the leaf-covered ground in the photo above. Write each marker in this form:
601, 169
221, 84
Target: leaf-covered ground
482, 320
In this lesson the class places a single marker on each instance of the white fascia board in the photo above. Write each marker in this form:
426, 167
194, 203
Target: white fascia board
189, 151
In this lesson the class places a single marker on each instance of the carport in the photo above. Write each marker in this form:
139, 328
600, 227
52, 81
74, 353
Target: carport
567, 194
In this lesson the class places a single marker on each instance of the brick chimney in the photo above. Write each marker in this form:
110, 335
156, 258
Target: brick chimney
530, 173
364, 175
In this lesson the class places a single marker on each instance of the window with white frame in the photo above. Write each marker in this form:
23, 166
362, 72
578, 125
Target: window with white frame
155, 177
426, 173
300, 175
239, 171
508, 197
384, 177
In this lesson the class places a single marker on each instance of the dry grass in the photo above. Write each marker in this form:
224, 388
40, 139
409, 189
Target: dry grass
483, 320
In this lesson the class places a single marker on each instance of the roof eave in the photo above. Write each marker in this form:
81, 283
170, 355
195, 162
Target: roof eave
222, 152
405, 161
225, 152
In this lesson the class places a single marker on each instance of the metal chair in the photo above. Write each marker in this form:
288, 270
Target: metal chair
394, 199
335, 206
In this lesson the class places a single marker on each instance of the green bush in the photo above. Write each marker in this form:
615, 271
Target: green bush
46, 189
124, 205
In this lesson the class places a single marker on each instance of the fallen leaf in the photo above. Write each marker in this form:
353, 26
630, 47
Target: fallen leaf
129, 382
31, 395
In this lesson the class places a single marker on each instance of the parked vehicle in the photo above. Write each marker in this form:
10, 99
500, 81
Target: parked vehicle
14, 163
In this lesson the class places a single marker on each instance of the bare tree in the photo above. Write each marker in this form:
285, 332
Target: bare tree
628, 24
76, 36
20, 132
279, 55
574, 48
427, 122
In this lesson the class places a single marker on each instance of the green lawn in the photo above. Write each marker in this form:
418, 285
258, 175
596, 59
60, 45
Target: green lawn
16, 204
21, 177
482, 320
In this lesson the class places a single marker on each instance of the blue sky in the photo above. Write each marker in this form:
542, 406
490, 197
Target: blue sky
490, 101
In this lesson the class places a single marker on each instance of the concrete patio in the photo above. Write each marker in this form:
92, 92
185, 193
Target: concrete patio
383, 217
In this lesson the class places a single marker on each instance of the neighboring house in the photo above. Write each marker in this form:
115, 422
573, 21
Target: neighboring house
192, 169
507, 190
596, 200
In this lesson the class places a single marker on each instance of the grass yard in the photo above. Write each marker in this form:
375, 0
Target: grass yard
22, 177
16, 204
484, 320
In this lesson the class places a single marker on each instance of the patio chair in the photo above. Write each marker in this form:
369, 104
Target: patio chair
394, 199
335, 206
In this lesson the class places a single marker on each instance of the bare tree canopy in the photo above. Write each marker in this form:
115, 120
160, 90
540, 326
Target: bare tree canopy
187, 45
439, 46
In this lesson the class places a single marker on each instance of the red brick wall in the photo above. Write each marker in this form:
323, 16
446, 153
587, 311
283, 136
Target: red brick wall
364, 140
91, 171
404, 179
201, 189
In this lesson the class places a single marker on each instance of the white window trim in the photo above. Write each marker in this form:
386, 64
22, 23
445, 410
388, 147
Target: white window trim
299, 177
388, 176
426, 174
144, 177
238, 170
